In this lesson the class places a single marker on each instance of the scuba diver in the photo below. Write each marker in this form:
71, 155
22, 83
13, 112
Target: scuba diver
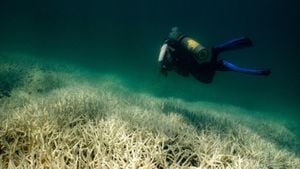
186, 56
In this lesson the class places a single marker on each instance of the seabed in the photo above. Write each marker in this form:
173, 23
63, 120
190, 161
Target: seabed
57, 116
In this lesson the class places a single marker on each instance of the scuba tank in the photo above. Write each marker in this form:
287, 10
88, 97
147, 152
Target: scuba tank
197, 50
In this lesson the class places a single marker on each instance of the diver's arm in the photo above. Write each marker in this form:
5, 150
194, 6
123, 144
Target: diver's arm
165, 59
161, 58
168, 44
162, 52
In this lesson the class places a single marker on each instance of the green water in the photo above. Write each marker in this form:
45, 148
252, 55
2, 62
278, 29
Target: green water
123, 38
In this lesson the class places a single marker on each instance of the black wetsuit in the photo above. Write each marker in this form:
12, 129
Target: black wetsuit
184, 63
180, 60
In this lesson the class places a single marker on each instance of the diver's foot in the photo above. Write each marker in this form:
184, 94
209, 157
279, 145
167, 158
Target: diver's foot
266, 72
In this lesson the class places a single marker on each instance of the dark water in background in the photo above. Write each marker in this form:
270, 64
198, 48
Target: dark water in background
124, 37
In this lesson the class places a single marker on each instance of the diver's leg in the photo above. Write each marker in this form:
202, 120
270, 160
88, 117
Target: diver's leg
224, 65
233, 44
203, 72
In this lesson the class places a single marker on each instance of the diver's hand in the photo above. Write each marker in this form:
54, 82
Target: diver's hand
164, 72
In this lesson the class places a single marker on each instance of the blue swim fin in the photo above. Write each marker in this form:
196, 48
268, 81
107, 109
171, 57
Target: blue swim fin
233, 44
227, 66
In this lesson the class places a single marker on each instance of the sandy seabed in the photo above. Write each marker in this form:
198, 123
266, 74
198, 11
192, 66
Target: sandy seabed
58, 117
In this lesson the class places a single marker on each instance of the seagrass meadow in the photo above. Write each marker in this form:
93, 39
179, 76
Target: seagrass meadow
80, 86
58, 116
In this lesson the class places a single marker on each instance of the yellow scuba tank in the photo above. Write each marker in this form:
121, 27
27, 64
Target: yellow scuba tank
195, 48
